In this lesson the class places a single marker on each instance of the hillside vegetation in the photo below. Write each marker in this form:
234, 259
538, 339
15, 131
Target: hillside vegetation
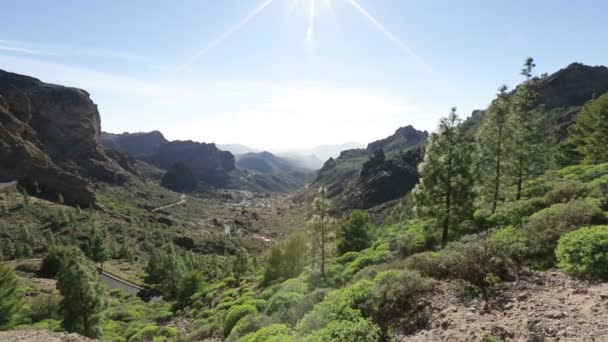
504, 236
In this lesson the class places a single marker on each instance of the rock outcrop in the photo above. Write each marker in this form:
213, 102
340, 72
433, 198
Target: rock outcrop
179, 178
404, 137
382, 180
137, 145
207, 162
50, 136
382, 172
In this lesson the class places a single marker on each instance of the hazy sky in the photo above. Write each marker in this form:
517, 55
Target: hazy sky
280, 74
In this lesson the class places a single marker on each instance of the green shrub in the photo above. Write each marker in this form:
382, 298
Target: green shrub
395, 300
272, 333
281, 304
514, 213
545, 227
235, 314
189, 284
361, 330
565, 191
430, 264
44, 307
419, 237
247, 325
338, 305
355, 234
509, 244
347, 257
54, 259
473, 262
584, 252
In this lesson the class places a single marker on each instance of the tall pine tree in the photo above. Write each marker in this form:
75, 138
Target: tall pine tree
590, 133
445, 191
530, 153
11, 298
321, 225
82, 295
492, 142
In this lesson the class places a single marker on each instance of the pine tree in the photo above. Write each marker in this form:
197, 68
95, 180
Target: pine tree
354, 234
445, 191
530, 153
492, 142
273, 270
97, 249
240, 265
189, 284
82, 295
321, 224
164, 271
11, 298
294, 254
590, 133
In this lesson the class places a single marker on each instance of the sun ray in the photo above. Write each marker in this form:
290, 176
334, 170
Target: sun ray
310, 33
389, 35
237, 27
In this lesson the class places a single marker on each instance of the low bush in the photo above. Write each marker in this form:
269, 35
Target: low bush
473, 262
235, 314
247, 325
545, 227
272, 333
419, 237
395, 300
360, 330
584, 252
44, 307
509, 245
430, 264
565, 191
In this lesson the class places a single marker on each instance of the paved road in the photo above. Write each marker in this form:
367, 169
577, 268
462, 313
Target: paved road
113, 282
182, 200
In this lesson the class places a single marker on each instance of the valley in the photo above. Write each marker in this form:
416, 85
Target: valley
257, 246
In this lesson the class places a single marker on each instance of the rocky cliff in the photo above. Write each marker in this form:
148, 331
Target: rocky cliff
50, 137
135, 144
384, 171
207, 162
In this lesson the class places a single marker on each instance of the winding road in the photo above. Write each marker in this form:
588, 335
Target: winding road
182, 200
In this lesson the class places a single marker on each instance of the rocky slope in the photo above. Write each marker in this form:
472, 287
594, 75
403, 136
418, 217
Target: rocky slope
541, 306
363, 178
135, 144
50, 139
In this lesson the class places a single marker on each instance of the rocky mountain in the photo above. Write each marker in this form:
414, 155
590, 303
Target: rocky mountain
383, 171
50, 140
207, 162
237, 148
135, 144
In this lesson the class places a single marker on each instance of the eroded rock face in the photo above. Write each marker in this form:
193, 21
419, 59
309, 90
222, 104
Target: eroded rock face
135, 144
382, 180
50, 135
207, 162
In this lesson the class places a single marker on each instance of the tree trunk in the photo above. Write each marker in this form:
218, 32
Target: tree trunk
520, 178
497, 175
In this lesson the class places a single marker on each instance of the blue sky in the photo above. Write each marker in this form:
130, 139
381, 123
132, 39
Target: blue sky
268, 74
